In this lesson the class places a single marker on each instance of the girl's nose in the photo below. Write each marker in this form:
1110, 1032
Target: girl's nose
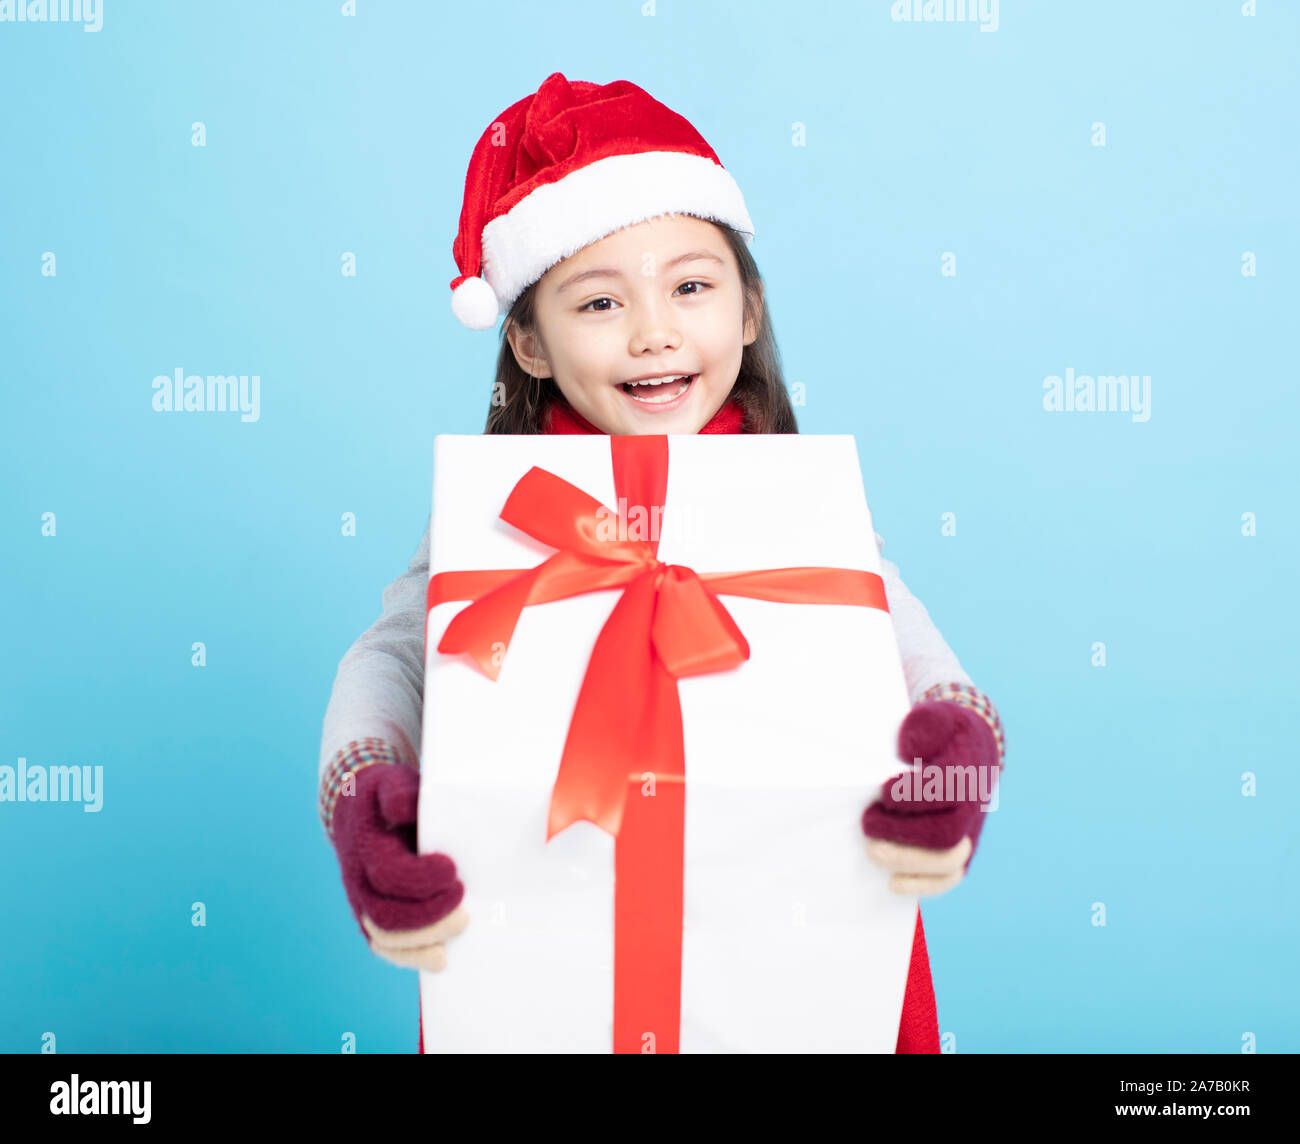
655, 330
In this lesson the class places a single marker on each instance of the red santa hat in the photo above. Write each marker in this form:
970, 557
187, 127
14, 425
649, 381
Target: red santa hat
566, 166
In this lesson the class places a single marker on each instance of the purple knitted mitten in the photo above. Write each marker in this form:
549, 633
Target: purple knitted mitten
947, 735
374, 837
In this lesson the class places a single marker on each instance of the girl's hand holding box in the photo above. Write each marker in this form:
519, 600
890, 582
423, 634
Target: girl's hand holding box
929, 841
406, 903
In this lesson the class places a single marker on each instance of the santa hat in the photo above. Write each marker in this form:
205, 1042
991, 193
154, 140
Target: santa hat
566, 166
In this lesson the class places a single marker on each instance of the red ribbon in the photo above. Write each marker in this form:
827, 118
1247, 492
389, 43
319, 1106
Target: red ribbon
623, 766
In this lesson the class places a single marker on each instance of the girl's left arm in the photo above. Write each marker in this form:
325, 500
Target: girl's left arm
929, 842
930, 667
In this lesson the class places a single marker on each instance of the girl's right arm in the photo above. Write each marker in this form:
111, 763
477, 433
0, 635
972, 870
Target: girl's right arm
406, 903
377, 701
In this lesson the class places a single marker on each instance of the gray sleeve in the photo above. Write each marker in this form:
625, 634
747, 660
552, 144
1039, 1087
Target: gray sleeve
927, 658
379, 688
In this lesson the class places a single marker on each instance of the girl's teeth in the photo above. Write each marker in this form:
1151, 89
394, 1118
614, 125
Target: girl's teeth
655, 394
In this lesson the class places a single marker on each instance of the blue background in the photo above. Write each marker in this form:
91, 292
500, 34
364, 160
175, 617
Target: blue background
329, 133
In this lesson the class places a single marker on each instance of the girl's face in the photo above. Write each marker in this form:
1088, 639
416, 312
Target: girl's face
659, 299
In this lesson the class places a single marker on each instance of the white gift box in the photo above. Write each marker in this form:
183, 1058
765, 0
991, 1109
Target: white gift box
791, 939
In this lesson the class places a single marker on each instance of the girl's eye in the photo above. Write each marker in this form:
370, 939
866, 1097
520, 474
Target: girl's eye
588, 306
702, 285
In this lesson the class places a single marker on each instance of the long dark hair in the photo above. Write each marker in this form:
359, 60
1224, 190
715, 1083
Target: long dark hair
520, 401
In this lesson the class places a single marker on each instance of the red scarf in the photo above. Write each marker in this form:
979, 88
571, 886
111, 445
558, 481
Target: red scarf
563, 418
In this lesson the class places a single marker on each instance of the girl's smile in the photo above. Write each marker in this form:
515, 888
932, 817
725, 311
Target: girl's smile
661, 393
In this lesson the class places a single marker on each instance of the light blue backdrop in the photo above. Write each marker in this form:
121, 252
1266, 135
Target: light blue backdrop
328, 133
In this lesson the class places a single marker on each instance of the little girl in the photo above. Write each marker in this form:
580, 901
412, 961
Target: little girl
607, 228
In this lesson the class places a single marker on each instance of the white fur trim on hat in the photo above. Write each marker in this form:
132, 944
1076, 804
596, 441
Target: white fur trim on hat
558, 219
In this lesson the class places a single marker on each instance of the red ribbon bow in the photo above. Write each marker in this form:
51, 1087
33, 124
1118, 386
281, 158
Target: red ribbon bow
627, 722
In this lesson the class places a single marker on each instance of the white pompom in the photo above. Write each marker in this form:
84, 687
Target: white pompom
475, 304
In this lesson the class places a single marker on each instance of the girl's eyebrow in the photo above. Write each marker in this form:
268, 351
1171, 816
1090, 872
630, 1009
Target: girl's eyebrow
608, 272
